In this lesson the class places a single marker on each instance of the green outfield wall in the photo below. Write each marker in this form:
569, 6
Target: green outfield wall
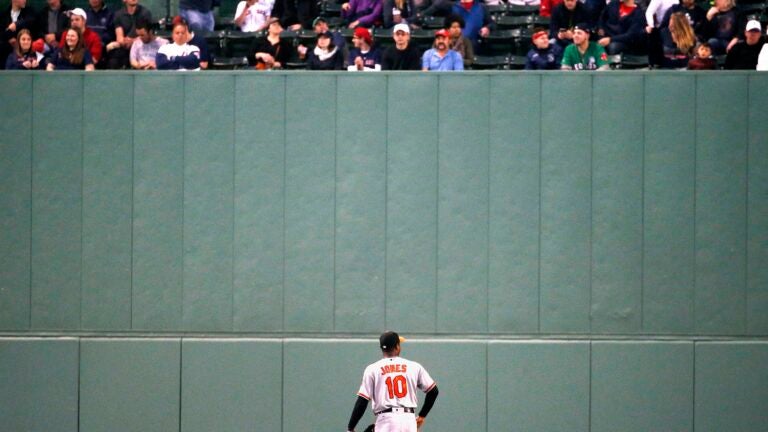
218, 251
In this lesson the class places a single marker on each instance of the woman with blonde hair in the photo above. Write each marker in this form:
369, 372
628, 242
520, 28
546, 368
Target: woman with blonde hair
677, 55
73, 54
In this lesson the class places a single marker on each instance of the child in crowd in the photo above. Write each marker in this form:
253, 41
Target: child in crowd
703, 59
543, 55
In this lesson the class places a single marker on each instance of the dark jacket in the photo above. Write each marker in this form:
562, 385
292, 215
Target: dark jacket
62, 21
335, 62
26, 20
629, 29
562, 18
408, 59
743, 56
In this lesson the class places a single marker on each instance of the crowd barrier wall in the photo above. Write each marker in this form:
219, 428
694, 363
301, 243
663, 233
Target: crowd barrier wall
217, 251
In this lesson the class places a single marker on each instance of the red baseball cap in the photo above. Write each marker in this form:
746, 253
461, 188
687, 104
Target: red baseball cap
443, 33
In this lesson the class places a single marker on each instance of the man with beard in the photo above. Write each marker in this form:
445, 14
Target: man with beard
583, 54
91, 40
440, 58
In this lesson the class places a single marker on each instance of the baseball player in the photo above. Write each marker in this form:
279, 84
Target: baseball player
391, 385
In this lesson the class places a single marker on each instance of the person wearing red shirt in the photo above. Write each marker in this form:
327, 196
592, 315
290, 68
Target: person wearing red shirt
91, 39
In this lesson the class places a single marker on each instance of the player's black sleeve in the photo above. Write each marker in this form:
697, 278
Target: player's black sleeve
429, 400
357, 412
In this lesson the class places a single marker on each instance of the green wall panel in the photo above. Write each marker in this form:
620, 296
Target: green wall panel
463, 175
310, 196
411, 301
538, 386
326, 371
515, 150
459, 369
259, 202
158, 182
361, 163
642, 386
129, 385
233, 385
721, 180
566, 152
107, 203
731, 391
57, 201
668, 200
38, 384
15, 201
617, 205
757, 208
208, 202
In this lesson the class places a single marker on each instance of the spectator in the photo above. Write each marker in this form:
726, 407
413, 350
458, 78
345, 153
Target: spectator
253, 15
459, 43
52, 22
584, 54
703, 59
72, 54
404, 55
325, 55
622, 27
296, 14
24, 57
270, 51
430, 8
397, 11
366, 13
194, 38
145, 47
364, 56
762, 59
91, 40
564, 17
101, 20
744, 54
679, 53
125, 32
198, 14
543, 55
440, 58
320, 25
546, 7
477, 20
178, 55
14, 19
654, 15
721, 26
694, 13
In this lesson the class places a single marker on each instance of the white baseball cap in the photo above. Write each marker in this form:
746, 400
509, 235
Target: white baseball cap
78, 12
401, 27
754, 25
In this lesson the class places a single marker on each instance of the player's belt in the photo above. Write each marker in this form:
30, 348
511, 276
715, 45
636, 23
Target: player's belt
389, 410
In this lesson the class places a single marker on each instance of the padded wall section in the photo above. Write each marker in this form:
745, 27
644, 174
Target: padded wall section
39, 384
669, 166
757, 208
15, 202
641, 386
129, 385
107, 203
514, 205
259, 203
538, 386
411, 278
361, 178
731, 386
158, 199
231, 385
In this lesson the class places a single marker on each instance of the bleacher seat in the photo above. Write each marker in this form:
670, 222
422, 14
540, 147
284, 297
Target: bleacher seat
490, 62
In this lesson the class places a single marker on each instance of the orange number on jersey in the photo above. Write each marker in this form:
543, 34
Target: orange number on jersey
397, 386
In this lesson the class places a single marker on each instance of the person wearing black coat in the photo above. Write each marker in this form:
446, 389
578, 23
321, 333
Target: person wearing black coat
15, 17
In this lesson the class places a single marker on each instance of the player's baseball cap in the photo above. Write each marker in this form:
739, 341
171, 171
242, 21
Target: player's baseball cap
754, 25
401, 27
389, 340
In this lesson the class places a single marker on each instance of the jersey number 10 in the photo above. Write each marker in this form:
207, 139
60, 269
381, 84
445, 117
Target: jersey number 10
397, 386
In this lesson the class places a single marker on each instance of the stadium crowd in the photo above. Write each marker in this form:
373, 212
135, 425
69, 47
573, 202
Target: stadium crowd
582, 35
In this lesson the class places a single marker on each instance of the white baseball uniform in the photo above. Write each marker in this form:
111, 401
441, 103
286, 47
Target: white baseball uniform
390, 384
